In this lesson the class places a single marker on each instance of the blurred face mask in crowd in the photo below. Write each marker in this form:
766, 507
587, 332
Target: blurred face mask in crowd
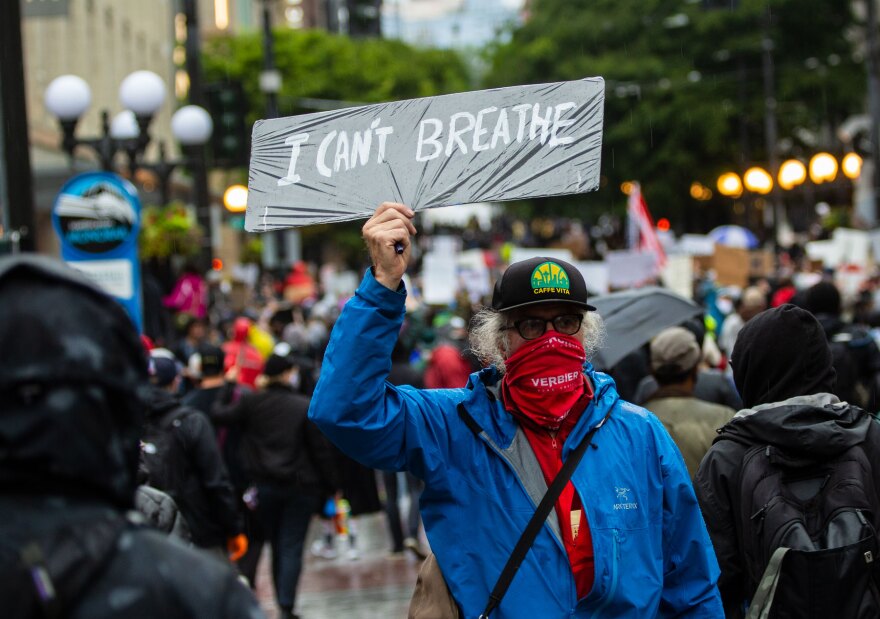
725, 306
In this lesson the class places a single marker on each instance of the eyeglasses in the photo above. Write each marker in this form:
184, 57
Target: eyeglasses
531, 328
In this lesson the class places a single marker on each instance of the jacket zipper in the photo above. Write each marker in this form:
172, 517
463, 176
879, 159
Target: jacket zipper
612, 589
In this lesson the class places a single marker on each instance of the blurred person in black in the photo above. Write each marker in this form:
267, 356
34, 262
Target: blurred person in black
181, 457
856, 356
290, 465
73, 390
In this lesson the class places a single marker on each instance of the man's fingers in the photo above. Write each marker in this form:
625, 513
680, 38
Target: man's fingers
393, 215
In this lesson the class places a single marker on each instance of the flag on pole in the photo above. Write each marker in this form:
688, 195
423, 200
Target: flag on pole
643, 234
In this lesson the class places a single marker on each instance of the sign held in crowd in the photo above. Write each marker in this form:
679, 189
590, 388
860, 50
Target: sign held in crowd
489, 145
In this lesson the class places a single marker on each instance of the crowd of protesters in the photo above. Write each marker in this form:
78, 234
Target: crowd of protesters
229, 460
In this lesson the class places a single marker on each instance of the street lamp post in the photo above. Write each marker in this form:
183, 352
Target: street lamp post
142, 93
69, 96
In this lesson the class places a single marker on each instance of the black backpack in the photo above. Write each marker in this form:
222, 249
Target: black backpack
809, 544
164, 463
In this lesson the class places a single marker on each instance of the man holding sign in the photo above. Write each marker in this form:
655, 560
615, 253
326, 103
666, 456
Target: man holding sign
626, 538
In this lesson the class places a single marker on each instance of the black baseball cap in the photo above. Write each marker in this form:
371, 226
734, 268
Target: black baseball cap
540, 280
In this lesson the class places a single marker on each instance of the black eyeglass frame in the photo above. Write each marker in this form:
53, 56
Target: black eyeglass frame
518, 325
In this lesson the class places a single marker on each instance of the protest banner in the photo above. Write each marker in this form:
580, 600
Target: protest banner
490, 145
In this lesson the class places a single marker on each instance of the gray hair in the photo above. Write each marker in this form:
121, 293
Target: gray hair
489, 341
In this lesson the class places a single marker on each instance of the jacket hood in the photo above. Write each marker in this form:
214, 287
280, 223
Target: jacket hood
240, 329
817, 426
73, 383
779, 354
160, 402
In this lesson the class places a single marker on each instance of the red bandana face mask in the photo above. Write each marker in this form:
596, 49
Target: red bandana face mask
544, 379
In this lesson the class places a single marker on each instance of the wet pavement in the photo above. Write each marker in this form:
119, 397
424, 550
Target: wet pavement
376, 585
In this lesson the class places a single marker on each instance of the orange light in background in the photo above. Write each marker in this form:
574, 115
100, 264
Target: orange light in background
217, 264
791, 174
851, 166
758, 180
626, 187
823, 168
730, 185
700, 192
663, 224
235, 198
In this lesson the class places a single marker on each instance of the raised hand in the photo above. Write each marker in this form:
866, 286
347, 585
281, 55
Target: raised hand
390, 225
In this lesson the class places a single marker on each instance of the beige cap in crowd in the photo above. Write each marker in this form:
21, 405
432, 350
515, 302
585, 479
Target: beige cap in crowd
674, 351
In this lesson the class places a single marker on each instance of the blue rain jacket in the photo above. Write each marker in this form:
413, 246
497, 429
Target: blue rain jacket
653, 556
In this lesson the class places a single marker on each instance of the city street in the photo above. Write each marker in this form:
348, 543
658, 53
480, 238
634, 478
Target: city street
374, 586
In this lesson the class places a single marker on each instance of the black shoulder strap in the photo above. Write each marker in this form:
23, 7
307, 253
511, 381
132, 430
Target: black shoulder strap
531, 531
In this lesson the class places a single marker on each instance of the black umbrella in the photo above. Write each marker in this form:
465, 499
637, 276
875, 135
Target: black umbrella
633, 317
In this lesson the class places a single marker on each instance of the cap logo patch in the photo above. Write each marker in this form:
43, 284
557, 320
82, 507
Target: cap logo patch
549, 277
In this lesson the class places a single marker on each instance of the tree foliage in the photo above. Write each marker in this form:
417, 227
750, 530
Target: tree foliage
684, 85
316, 64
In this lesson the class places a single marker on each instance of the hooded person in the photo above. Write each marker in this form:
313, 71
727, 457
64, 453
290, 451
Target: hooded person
73, 389
241, 358
782, 366
856, 357
626, 538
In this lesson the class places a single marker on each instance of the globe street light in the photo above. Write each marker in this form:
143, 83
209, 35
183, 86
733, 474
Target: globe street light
730, 185
142, 93
758, 180
791, 174
235, 198
823, 168
851, 166
69, 96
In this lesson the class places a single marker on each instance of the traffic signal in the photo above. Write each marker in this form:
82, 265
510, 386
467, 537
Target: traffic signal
230, 142
365, 18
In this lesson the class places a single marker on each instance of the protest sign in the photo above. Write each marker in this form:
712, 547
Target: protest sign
517, 254
732, 265
596, 276
440, 279
489, 145
629, 269
678, 275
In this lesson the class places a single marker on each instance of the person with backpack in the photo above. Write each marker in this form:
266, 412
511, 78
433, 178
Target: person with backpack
180, 456
73, 389
789, 489
545, 494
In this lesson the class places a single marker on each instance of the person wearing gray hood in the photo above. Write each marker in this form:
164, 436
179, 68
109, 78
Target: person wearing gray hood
787, 489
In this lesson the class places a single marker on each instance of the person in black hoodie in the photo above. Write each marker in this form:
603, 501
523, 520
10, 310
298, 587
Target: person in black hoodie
73, 388
856, 358
181, 457
782, 366
290, 464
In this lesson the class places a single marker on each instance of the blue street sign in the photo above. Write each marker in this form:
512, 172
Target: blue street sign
97, 217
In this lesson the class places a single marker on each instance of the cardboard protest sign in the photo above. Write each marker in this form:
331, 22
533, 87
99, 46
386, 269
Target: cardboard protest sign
732, 265
489, 145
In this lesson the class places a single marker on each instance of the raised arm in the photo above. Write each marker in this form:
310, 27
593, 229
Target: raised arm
380, 425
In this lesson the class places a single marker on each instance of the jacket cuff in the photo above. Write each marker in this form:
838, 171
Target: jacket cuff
375, 293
